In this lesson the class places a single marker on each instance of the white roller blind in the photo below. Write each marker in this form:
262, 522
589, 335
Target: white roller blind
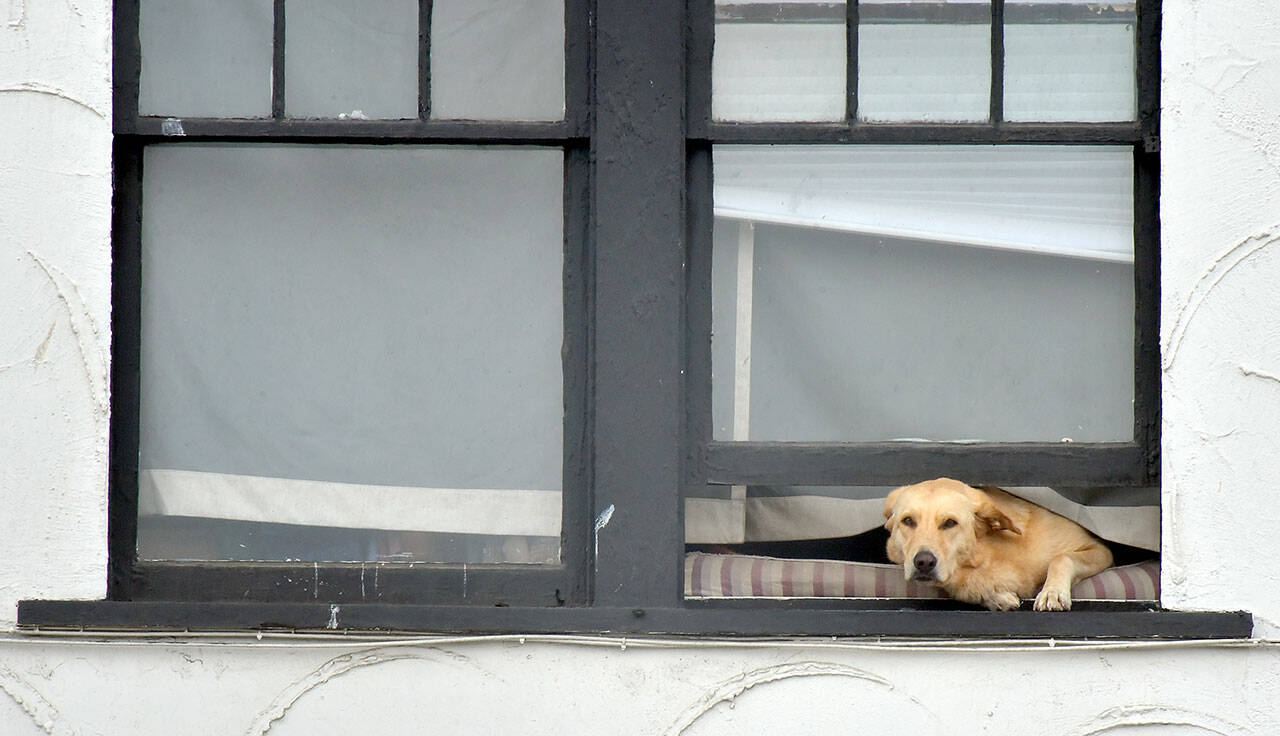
1063, 201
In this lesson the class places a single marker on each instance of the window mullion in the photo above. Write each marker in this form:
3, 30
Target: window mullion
638, 217
424, 59
851, 62
997, 62
126, 323
277, 60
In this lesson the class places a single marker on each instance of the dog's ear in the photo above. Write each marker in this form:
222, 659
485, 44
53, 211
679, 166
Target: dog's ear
889, 503
995, 520
893, 550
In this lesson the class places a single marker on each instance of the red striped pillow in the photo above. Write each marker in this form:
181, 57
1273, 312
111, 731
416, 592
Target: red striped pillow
731, 576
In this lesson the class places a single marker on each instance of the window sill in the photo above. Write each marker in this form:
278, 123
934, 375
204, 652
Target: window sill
756, 618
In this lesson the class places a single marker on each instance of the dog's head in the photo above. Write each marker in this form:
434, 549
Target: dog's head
934, 527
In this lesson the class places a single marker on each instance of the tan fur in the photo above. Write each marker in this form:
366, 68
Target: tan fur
1000, 549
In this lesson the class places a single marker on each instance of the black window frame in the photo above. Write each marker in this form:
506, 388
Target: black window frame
134, 579
637, 137
1130, 463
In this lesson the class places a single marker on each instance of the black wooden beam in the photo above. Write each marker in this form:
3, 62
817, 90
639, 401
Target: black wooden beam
638, 148
851, 23
126, 64
126, 330
917, 12
424, 59
576, 521
916, 133
1146, 220
895, 463
455, 584
154, 129
277, 59
996, 98
692, 621
1146, 297
699, 52
578, 70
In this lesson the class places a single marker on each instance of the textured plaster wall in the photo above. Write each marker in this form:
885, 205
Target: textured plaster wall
1221, 337
55, 219
254, 688
1220, 305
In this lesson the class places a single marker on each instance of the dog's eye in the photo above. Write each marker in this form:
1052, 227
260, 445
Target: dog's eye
907, 521
948, 524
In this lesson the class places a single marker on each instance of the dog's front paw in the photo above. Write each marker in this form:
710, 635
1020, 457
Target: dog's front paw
1002, 601
1053, 600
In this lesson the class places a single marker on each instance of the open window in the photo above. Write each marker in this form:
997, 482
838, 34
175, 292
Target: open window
932, 252
479, 316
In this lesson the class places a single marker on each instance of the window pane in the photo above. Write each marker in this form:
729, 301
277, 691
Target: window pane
351, 58
926, 62
867, 293
497, 59
203, 59
779, 62
1070, 61
351, 353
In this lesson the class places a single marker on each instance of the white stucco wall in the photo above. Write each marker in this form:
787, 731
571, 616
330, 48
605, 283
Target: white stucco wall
1220, 214
55, 289
1221, 337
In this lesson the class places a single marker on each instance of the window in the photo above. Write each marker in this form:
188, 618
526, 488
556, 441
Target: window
350, 329
422, 315
943, 262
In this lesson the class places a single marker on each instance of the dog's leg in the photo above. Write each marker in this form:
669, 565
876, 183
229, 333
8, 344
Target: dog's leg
1003, 600
1065, 570
988, 595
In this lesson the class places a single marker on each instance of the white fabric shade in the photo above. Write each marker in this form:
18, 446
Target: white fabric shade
1066, 201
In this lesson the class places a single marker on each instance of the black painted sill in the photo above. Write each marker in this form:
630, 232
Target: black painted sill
699, 618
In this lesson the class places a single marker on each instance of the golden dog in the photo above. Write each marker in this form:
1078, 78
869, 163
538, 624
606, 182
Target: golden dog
987, 547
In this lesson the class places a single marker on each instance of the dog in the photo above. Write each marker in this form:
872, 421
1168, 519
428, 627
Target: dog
987, 547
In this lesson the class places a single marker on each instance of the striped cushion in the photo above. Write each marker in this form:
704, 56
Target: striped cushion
720, 576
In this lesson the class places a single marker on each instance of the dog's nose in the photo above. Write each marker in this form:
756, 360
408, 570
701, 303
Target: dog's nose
925, 562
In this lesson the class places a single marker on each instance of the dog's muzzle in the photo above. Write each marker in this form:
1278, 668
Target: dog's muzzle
925, 565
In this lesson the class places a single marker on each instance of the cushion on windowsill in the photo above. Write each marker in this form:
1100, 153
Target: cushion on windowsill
721, 576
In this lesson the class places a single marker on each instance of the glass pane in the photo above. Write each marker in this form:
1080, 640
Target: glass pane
351, 353
868, 293
925, 62
203, 59
1070, 61
777, 62
497, 59
351, 58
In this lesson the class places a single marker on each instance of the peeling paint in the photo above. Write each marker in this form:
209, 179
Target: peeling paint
172, 126
334, 610
601, 522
